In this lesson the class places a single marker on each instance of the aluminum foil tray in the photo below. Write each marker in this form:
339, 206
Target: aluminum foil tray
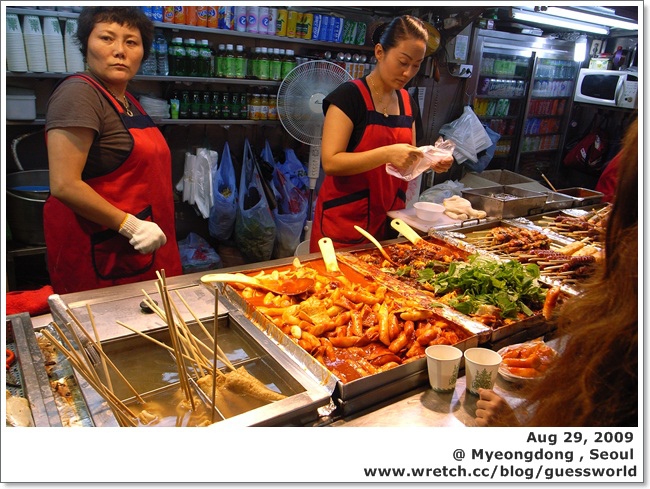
356, 394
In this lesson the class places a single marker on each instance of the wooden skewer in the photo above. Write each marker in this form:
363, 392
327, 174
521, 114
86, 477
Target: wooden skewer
116, 404
111, 364
99, 347
213, 396
180, 364
221, 355
153, 340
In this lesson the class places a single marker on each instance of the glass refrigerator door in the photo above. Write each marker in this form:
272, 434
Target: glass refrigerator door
500, 100
547, 117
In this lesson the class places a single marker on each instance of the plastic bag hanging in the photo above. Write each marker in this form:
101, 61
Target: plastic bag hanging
224, 192
290, 215
255, 228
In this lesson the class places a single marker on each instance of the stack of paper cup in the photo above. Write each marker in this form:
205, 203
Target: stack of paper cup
34, 46
53, 38
16, 57
74, 61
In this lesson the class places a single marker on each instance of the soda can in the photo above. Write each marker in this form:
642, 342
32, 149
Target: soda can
316, 26
212, 17
147, 11
349, 27
179, 15
308, 25
329, 36
202, 16
190, 16
324, 27
168, 15
263, 21
241, 18
361, 33
157, 13
273, 20
281, 23
252, 20
292, 23
226, 17
337, 29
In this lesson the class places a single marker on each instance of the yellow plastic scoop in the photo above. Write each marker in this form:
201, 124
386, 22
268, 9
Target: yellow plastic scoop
289, 286
372, 239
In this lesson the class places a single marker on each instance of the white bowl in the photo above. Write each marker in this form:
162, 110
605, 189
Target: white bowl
428, 211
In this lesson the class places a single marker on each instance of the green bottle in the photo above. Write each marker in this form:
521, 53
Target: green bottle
240, 62
230, 62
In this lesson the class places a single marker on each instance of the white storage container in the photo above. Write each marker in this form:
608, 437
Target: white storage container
21, 104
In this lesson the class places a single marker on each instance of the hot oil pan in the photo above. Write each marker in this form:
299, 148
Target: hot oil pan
153, 388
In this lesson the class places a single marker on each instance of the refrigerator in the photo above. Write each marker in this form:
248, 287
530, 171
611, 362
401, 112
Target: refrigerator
522, 88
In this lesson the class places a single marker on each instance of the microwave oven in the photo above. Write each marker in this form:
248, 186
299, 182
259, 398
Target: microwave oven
607, 87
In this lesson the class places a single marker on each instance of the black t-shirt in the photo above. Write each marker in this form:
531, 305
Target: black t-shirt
348, 98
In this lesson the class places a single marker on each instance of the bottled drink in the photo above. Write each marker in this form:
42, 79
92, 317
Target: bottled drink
288, 63
235, 105
254, 64
240, 62
273, 107
254, 108
192, 53
148, 66
243, 106
195, 105
221, 61
230, 62
204, 59
184, 110
213, 60
162, 54
225, 105
264, 107
206, 104
263, 65
177, 60
215, 106
275, 65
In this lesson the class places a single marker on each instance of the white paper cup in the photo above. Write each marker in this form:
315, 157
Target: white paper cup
481, 368
443, 363
51, 26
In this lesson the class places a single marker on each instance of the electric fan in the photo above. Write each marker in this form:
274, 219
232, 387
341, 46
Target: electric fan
300, 109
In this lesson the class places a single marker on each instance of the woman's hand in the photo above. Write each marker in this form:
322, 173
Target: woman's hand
493, 410
443, 164
402, 156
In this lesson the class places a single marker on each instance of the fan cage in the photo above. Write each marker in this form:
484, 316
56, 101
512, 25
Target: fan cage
300, 98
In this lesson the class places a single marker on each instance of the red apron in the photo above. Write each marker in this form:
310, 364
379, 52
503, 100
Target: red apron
364, 199
83, 255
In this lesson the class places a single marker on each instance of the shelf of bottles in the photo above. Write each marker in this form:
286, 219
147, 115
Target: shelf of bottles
552, 87
500, 96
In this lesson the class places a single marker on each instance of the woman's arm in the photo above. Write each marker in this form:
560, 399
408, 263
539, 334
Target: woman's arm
337, 130
67, 151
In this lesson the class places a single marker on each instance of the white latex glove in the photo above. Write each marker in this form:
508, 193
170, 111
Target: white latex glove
144, 236
458, 205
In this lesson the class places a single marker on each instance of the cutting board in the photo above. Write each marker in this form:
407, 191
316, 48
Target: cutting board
409, 217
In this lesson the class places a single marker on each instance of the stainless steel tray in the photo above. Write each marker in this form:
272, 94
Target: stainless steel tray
153, 375
522, 203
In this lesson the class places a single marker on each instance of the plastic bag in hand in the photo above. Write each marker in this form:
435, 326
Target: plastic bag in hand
432, 155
